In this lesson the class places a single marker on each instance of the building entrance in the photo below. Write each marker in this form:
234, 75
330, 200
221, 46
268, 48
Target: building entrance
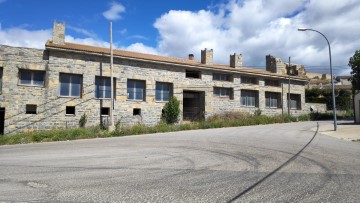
193, 105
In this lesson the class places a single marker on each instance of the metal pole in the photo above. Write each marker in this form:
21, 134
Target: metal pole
331, 73
289, 90
112, 81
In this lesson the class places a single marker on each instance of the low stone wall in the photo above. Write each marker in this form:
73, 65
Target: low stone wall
316, 107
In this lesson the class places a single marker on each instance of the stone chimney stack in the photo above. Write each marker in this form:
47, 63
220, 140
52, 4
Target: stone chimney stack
191, 57
58, 33
207, 56
236, 61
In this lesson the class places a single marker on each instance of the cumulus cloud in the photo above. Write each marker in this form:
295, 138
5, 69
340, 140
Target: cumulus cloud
256, 28
140, 47
21, 37
114, 12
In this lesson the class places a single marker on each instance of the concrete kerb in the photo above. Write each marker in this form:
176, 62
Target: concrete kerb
346, 130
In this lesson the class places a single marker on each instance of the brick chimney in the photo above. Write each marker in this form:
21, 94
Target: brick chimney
236, 61
58, 33
191, 57
207, 56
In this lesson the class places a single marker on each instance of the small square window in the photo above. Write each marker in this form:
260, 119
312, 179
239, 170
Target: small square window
31, 108
105, 111
136, 112
70, 110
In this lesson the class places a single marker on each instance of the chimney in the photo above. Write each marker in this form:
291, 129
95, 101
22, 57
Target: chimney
191, 57
236, 60
58, 33
207, 56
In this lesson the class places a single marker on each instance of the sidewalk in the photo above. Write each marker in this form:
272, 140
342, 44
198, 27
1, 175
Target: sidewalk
346, 130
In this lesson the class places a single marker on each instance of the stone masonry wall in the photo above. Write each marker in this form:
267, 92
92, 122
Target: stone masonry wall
51, 107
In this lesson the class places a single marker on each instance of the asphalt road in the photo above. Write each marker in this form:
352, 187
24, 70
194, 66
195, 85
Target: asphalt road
270, 163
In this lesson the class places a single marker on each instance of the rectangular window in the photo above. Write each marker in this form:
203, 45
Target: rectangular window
70, 110
295, 101
274, 83
222, 77
70, 85
193, 74
163, 91
1, 75
31, 77
136, 112
249, 98
105, 111
223, 92
103, 87
272, 100
136, 89
31, 109
248, 80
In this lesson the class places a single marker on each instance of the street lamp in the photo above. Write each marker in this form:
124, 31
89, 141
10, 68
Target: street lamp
332, 79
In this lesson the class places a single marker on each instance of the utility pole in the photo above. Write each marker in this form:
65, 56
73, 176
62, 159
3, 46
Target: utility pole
289, 89
112, 126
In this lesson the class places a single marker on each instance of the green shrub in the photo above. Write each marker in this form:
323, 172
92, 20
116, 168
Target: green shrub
171, 111
83, 120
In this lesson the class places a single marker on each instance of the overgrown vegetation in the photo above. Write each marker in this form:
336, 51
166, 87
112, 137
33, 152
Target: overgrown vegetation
226, 119
83, 120
171, 111
343, 98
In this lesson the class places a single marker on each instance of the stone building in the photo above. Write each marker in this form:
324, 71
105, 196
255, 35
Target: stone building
52, 88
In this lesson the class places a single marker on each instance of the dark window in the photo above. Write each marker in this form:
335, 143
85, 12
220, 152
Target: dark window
272, 100
274, 83
193, 74
163, 91
223, 92
70, 85
31, 109
31, 77
105, 111
136, 89
295, 101
249, 98
248, 80
1, 75
70, 110
137, 112
222, 77
103, 87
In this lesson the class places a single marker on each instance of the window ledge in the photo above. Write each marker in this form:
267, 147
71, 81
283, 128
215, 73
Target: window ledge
25, 85
69, 97
70, 115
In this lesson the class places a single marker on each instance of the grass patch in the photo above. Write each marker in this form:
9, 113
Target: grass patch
226, 119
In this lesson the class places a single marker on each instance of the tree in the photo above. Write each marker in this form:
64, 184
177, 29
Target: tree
171, 111
354, 63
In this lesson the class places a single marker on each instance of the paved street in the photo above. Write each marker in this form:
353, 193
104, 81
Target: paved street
265, 163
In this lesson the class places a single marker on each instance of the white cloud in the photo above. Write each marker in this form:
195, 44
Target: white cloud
140, 47
256, 28
114, 12
82, 31
21, 37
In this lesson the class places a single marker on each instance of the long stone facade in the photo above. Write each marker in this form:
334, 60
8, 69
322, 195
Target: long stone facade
214, 88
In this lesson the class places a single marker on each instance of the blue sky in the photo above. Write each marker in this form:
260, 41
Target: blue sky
177, 28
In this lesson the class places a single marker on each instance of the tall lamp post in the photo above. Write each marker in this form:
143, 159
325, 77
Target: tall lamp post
331, 73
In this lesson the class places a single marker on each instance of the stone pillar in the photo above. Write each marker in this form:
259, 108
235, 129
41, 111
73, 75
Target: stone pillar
58, 33
207, 56
236, 61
